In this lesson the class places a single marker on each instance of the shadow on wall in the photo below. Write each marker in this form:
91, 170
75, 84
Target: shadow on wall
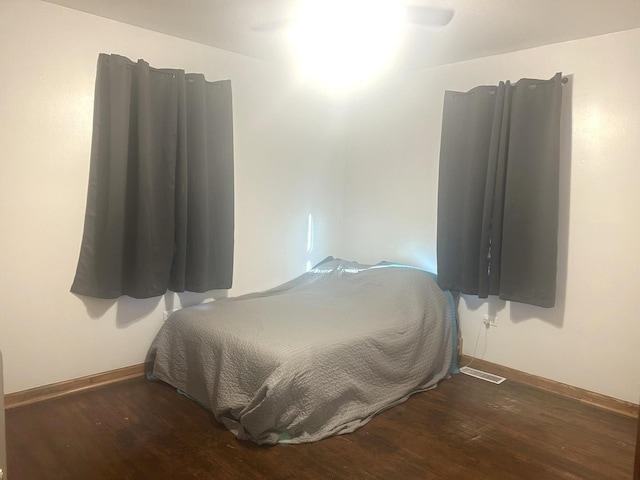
188, 299
519, 312
494, 304
131, 310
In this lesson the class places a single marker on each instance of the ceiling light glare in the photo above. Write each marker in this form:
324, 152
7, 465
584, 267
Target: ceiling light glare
345, 42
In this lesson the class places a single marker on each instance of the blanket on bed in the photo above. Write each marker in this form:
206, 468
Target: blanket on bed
314, 357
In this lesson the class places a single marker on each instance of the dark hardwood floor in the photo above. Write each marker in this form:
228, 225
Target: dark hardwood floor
464, 429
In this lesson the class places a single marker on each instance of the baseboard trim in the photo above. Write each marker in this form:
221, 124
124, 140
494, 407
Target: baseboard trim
67, 387
89, 382
583, 396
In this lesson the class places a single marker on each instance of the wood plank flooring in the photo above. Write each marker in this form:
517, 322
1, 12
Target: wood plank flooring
464, 429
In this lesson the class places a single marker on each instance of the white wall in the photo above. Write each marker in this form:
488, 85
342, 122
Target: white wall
286, 143
590, 339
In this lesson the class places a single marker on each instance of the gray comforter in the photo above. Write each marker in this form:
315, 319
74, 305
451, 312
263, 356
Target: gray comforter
314, 357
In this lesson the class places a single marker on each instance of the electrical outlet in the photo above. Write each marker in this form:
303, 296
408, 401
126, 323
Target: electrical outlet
490, 321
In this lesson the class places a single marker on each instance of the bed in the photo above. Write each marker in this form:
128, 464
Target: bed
314, 357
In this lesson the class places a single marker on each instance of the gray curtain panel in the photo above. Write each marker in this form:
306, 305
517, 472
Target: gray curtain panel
160, 201
498, 191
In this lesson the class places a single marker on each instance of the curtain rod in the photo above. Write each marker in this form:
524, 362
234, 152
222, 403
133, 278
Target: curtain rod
565, 79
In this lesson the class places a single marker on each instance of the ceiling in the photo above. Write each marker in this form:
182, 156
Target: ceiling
479, 27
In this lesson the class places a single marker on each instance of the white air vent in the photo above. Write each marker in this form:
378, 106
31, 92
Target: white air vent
489, 377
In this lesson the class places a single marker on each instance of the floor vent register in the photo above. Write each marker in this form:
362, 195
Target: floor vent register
489, 377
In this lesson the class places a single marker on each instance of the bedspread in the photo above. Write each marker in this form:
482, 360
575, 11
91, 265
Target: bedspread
314, 357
